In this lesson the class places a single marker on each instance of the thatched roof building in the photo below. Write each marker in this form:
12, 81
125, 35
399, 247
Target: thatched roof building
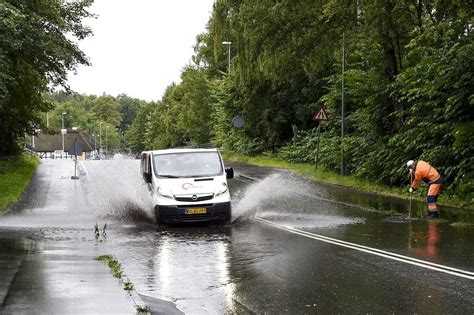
45, 143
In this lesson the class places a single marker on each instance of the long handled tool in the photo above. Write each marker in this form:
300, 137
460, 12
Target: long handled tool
409, 208
410, 191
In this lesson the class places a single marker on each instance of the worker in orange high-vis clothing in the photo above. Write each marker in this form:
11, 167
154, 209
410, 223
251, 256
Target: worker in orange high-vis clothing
422, 170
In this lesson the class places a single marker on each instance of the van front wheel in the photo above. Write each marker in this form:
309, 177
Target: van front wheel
227, 221
158, 218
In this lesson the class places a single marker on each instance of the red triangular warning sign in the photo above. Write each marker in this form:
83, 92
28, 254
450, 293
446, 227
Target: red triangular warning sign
320, 115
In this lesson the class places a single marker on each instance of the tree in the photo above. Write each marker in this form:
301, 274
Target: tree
128, 110
137, 132
194, 119
107, 109
438, 87
36, 52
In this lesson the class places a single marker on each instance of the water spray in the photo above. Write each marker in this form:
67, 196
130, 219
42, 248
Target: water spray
117, 189
275, 196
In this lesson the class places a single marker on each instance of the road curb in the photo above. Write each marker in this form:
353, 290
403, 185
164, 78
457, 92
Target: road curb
125, 283
140, 305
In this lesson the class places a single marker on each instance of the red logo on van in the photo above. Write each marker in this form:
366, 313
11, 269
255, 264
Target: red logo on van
186, 186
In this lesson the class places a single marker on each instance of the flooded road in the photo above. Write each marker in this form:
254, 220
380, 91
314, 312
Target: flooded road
279, 262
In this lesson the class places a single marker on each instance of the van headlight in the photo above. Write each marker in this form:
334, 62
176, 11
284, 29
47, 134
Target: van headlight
164, 192
222, 189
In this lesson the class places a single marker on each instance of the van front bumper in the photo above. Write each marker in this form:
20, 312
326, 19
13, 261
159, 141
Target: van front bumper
180, 214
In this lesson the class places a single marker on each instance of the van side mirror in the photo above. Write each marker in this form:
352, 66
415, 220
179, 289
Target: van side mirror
229, 172
147, 177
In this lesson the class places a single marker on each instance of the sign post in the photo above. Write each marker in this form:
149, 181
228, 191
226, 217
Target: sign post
239, 123
75, 149
321, 117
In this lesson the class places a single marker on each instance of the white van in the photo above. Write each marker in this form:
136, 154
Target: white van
187, 185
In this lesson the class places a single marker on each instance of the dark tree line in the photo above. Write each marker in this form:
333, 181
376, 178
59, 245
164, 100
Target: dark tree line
408, 79
106, 117
36, 53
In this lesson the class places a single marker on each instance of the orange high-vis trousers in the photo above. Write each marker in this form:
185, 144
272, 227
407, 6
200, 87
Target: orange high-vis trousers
432, 196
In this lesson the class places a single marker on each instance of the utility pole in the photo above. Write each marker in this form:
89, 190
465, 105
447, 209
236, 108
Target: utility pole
342, 105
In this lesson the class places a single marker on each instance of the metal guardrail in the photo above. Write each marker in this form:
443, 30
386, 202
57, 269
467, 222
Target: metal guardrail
28, 149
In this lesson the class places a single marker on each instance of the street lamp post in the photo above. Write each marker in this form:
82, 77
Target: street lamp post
100, 136
62, 131
94, 136
228, 65
106, 141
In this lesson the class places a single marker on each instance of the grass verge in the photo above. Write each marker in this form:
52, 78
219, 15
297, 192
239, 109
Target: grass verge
15, 174
113, 264
329, 177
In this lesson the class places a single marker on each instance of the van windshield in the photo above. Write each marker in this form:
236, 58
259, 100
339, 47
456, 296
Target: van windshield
187, 164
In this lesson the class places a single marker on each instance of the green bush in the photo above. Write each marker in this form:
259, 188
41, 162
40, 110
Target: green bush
15, 174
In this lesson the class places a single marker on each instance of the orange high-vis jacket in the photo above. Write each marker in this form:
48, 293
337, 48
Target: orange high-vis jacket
424, 171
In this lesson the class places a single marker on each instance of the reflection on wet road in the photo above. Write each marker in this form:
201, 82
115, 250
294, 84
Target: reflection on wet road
309, 207
251, 266
189, 266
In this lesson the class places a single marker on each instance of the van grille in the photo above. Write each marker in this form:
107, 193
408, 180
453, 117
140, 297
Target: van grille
193, 197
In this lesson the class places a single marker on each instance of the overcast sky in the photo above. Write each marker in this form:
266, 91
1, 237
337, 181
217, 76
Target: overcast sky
139, 47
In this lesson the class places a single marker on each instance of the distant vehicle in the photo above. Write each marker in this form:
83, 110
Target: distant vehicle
187, 185
58, 154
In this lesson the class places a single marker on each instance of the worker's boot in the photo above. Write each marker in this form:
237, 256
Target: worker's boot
432, 215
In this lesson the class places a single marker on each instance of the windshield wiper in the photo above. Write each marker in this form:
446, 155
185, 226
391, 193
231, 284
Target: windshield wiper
168, 176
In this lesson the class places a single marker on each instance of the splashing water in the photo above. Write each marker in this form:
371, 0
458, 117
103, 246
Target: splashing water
290, 201
106, 190
273, 188
117, 188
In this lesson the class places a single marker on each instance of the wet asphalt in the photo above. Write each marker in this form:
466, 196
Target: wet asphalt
49, 255
277, 263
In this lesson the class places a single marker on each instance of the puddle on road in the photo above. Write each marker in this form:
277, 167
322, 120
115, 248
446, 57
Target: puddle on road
377, 222
186, 265
305, 221
107, 191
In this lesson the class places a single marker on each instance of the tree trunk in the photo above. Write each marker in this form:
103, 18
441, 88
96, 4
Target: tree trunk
390, 59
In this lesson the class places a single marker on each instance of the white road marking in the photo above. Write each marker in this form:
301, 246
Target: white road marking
374, 251
84, 167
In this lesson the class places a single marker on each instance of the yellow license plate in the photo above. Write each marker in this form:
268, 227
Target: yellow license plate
196, 211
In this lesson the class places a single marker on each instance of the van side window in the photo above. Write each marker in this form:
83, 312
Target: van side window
148, 165
144, 165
